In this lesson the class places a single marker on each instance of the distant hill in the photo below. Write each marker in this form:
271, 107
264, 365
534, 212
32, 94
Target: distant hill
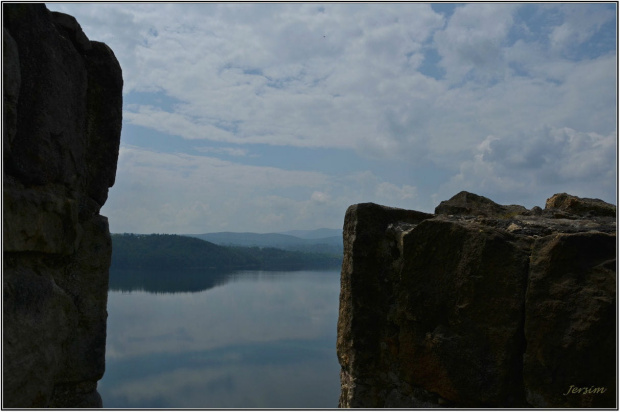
249, 239
169, 251
315, 234
310, 244
157, 251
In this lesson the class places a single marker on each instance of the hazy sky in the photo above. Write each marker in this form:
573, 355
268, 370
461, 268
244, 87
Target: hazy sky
270, 117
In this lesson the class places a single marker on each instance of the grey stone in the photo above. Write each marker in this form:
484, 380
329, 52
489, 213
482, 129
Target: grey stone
63, 107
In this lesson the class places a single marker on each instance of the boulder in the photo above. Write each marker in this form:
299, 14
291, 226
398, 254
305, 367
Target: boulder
579, 206
465, 203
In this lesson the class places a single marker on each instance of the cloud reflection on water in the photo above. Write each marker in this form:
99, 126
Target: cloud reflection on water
260, 340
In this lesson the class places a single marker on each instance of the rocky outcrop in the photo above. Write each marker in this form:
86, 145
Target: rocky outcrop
479, 305
62, 117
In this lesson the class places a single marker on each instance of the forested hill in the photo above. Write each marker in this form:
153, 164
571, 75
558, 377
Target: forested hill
330, 244
160, 251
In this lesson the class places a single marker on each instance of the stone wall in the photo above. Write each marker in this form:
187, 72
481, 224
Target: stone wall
479, 305
62, 124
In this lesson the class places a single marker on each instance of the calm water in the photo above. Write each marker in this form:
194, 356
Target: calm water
239, 340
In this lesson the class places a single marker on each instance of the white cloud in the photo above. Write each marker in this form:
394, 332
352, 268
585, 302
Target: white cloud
175, 124
579, 25
290, 75
473, 40
180, 193
230, 151
351, 77
529, 167
172, 193
389, 190
339, 75
319, 197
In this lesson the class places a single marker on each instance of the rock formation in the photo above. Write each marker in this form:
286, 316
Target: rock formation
62, 118
479, 305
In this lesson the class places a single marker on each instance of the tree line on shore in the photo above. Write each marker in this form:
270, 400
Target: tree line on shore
164, 251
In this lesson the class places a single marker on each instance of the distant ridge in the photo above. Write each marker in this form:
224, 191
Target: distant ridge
161, 251
314, 234
309, 241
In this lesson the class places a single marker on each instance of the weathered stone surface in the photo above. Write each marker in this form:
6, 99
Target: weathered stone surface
365, 296
70, 29
453, 340
484, 306
86, 276
38, 318
51, 113
11, 79
465, 203
39, 218
570, 318
580, 206
104, 114
63, 102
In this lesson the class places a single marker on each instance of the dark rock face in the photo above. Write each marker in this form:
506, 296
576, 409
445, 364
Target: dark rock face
570, 314
481, 305
62, 110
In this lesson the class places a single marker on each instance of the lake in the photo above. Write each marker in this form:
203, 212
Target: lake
250, 339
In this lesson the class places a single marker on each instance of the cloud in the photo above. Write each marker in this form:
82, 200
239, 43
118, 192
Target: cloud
473, 40
181, 193
389, 190
580, 24
319, 197
230, 151
343, 75
291, 75
397, 87
527, 168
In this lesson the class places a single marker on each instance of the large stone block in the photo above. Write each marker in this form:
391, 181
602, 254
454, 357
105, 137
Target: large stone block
365, 294
460, 312
482, 305
570, 322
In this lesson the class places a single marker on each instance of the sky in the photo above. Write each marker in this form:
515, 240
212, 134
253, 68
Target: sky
268, 117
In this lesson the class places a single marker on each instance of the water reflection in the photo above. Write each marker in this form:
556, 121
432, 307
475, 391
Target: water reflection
167, 281
259, 340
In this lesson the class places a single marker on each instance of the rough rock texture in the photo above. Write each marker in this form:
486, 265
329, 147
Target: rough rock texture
62, 117
479, 305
